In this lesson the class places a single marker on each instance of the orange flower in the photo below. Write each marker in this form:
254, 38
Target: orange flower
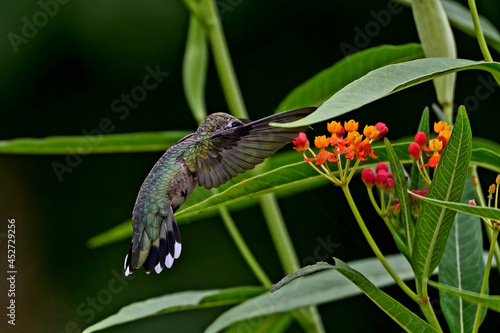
371, 132
436, 146
364, 148
322, 142
352, 140
336, 129
351, 125
441, 126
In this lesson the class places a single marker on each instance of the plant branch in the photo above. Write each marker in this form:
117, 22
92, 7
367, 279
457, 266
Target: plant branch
223, 61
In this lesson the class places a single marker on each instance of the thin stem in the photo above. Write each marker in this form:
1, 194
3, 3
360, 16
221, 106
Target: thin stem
374, 246
479, 32
243, 248
489, 231
223, 61
477, 320
353, 170
424, 174
346, 170
374, 202
395, 235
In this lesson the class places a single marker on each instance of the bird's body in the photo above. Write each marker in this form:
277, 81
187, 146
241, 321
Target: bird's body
221, 148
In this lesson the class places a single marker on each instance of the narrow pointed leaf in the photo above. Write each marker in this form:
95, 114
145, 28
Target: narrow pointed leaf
401, 189
462, 266
489, 301
276, 323
434, 223
95, 144
485, 212
320, 87
325, 286
194, 69
385, 81
177, 302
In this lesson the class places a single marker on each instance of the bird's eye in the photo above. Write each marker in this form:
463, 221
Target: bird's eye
234, 124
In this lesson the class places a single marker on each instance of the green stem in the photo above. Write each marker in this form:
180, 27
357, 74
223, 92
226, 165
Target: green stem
374, 246
448, 113
223, 61
429, 314
484, 287
479, 32
374, 202
243, 248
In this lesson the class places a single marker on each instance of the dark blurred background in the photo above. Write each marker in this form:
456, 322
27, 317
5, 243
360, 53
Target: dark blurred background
63, 81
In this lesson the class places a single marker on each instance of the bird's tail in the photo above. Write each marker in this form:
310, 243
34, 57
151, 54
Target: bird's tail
162, 252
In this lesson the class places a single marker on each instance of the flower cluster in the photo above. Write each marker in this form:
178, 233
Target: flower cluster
383, 179
435, 147
343, 140
353, 145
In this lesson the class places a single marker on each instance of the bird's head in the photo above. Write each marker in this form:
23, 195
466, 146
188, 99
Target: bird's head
218, 122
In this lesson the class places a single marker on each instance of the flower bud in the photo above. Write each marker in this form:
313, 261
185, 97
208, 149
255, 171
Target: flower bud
368, 177
415, 151
421, 139
382, 166
301, 143
382, 130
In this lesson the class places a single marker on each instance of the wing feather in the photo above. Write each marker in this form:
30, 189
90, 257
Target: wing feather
241, 148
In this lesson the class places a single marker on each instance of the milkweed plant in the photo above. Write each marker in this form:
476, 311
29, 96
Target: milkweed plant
424, 190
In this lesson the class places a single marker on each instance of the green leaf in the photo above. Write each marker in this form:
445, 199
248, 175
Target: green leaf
460, 18
93, 144
177, 302
485, 212
434, 223
417, 182
326, 286
320, 87
276, 323
194, 69
491, 302
462, 266
385, 81
401, 189
309, 269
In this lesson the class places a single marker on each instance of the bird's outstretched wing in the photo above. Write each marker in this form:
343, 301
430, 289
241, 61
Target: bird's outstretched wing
238, 149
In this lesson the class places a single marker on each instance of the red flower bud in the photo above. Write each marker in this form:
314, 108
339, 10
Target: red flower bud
472, 202
390, 185
414, 150
301, 143
444, 141
382, 130
382, 166
421, 139
381, 179
368, 177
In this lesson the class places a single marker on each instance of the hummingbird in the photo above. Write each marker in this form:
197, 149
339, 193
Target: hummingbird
220, 149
